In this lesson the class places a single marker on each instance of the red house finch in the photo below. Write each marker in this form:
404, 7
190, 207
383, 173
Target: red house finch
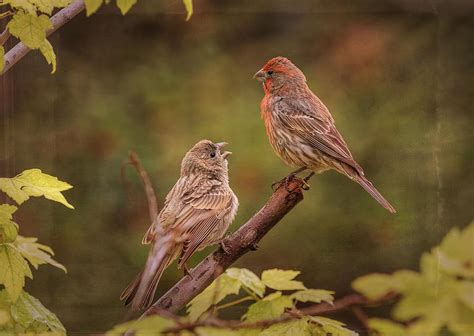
300, 128
197, 213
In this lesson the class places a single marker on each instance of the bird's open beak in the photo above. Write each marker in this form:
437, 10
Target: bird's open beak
220, 145
260, 75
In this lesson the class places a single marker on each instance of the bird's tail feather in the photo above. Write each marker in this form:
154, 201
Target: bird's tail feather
369, 187
141, 291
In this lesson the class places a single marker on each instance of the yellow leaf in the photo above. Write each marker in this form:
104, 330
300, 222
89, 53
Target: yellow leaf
25, 5
281, 279
268, 309
248, 279
33, 182
47, 6
30, 313
47, 50
374, 286
188, 4
29, 28
216, 292
92, 6
14, 270
8, 228
151, 325
386, 327
313, 295
37, 254
125, 5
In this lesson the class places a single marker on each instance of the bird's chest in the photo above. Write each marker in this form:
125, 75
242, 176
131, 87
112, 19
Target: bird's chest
278, 134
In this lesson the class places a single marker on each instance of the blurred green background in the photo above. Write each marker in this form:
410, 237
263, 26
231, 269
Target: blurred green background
396, 75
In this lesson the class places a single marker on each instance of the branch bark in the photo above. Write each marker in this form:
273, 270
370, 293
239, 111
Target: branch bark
236, 245
58, 20
4, 36
149, 191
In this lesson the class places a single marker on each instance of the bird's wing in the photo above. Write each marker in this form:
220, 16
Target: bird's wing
311, 120
205, 207
195, 211
169, 211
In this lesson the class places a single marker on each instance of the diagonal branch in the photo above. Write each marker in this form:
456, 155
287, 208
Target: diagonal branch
58, 20
236, 245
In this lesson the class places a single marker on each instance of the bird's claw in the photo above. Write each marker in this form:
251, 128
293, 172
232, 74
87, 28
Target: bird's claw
306, 185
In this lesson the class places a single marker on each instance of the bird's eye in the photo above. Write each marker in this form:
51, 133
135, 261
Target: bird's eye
270, 72
213, 154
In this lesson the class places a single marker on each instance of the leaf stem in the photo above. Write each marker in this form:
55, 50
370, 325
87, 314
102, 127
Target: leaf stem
252, 294
233, 303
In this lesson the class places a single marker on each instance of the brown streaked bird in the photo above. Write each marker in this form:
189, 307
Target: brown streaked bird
301, 129
197, 213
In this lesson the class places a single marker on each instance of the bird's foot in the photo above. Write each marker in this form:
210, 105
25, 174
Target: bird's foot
288, 179
306, 185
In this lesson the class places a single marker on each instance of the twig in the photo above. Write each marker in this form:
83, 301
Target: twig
4, 36
361, 316
58, 20
349, 302
238, 244
149, 191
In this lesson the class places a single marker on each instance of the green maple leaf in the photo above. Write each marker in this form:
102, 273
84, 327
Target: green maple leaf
47, 6
25, 5
30, 313
313, 295
37, 254
14, 270
8, 228
29, 28
47, 50
216, 292
92, 6
125, 5
33, 182
152, 325
299, 327
248, 279
188, 5
271, 307
281, 279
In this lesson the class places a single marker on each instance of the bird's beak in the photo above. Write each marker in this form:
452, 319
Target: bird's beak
260, 75
221, 144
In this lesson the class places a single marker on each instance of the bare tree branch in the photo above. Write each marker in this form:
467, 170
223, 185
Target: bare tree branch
4, 36
242, 241
149, 191
58, 20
